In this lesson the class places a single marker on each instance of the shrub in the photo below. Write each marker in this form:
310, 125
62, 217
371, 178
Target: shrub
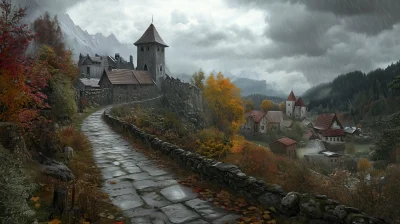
64, 96
69, 136
257, 160
120, 111
363, 165
15, 189
212, 143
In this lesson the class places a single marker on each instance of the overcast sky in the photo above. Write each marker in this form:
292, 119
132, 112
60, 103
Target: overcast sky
294, 43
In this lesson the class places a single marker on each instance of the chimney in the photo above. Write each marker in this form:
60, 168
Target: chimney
96, 55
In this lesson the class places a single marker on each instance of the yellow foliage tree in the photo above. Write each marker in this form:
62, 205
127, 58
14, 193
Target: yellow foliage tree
267, 105
363, 165
282, 106
223, 98
248, 105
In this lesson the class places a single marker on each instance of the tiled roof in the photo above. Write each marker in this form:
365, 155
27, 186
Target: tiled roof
256, 115
151, 36
333, 132
300, 102
274, 116
129, 77
287, 141
324, 121
291, 97
90, 82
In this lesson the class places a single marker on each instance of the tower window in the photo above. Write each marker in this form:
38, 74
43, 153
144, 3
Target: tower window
142, 48
145, 67
148, 48
160, 68
162, 49
158, 48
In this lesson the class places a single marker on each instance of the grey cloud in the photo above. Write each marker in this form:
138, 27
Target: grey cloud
178, 17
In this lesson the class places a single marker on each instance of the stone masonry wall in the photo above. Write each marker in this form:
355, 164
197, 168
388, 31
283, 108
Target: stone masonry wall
183, 99
297, 207
92, 97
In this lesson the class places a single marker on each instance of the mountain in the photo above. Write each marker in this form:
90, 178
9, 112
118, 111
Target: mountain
251, 86
80, 41
367, 97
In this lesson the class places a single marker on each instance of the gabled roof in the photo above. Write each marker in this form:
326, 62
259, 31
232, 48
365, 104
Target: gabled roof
93, 82
291, 97
324, 121
129, 77
274, 116
287, 141
256, 115
300, 102
151, 36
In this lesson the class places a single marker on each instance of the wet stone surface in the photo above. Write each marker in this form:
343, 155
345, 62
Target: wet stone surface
146, 193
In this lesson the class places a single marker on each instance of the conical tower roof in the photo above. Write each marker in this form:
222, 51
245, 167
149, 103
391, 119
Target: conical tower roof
300, 102
291, 97
151, 36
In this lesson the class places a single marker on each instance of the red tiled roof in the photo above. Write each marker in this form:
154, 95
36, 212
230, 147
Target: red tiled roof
291, 97
287, 141
300, 102
333, 132
256, 115
324, 121
129, 77
274, 116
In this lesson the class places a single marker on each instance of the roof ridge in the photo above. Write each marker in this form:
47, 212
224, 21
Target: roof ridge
134, 75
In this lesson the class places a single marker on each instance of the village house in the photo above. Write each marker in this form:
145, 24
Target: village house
258, 122
326, 158
284, 146
295, 108
329, 129
93, 66
87, 83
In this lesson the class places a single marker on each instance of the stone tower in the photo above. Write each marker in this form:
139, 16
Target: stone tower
290, 104
151, 54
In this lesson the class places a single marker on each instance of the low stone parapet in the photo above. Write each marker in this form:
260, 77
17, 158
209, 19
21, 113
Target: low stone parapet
297, 207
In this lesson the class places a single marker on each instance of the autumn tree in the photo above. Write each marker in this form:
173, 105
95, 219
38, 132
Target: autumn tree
249, 105
282, 106
363, 165
223, 97
267, 105
48, 32
198, 79
21, 97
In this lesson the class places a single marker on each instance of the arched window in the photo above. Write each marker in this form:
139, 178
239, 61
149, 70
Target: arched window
160, 68
145, 67
142, 48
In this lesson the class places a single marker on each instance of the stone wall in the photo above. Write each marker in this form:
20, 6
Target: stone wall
92, 97
130, 93
298, 208
184, 99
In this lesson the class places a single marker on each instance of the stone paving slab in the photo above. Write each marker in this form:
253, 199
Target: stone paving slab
146, 193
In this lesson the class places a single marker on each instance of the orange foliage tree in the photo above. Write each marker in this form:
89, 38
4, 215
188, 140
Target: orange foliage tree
223, 98
21, 97
282, 106
267, 105
363, 165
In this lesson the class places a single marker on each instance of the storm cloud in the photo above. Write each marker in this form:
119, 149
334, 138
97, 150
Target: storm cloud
293, 43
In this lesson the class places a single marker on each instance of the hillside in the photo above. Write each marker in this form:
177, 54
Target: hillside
252, 86
366, 97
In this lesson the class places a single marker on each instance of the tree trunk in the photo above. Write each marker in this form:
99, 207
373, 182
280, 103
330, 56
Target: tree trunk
60, 200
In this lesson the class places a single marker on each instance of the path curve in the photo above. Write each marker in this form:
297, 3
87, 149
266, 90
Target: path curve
147, 194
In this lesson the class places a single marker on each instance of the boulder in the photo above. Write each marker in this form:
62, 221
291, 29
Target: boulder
311, 208
57, 170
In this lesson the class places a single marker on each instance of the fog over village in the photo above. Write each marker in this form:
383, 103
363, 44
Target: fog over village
212, 111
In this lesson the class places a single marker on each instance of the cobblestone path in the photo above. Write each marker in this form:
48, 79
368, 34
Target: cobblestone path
147, 194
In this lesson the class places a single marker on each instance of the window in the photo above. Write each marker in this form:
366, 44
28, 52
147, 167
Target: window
332, 160
160, 68
148, 48
145, 67
158, 48
142, 49
88, 70
162, 49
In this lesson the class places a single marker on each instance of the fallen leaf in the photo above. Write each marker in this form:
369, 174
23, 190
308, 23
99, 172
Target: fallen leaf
54, 221
37, 205
35, 199
113, 182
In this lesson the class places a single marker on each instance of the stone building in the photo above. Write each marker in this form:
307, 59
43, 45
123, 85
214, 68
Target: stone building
87, 83
93, 66
284, 146
151, 54
295, 108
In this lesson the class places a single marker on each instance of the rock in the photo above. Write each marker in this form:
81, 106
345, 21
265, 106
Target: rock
57, 170
356, 219
311, 209
291, 201
340, 212
324, 197
331, 218
102, 215
352, 210
110, 217
270, 199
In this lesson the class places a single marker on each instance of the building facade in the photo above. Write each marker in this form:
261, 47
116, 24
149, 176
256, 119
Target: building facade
295, 108
284, 146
